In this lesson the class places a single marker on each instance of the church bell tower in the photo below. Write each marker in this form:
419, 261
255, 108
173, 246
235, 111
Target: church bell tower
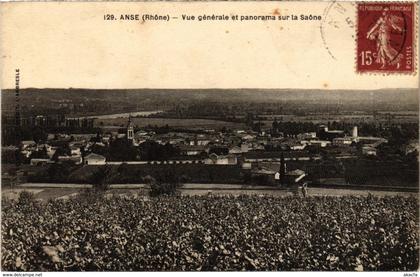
130, 129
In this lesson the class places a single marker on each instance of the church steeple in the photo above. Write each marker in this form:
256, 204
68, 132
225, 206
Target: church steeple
130, 129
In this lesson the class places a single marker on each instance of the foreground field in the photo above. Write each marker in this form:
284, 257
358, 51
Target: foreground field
211, 233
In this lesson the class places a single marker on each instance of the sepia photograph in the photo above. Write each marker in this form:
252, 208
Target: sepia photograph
122, 152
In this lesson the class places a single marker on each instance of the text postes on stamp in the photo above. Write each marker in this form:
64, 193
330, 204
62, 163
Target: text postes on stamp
385, 37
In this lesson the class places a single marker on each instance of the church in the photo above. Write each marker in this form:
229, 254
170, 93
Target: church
130, 129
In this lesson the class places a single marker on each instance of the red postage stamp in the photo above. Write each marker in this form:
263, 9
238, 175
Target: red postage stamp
386, 37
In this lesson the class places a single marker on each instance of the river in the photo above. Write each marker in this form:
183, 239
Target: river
118, 115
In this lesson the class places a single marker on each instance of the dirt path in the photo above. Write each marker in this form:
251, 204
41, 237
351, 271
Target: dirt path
68, 191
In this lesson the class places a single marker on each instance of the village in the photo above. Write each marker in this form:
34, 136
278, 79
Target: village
268, 157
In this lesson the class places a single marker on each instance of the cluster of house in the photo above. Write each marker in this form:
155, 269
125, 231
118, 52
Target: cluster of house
261, 153
339, 138
77, 148
210, 147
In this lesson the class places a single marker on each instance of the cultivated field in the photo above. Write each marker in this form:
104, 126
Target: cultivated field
190, 123
117, 233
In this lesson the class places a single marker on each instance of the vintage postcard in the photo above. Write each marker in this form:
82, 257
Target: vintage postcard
209, 136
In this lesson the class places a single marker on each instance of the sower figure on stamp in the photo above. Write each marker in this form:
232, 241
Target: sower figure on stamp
381, 31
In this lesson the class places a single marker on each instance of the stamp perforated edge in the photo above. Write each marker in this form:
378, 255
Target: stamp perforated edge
413, 72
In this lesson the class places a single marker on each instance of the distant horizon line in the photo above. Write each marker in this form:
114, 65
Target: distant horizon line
224, 89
